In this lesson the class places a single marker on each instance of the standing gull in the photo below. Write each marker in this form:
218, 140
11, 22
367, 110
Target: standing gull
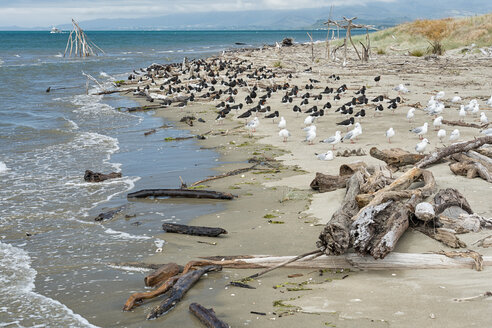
421, 130
410, 114
328, 156
333, 140
420, 147
455, 135
437, 123
284, 133
282, 124
441, 134
389, 134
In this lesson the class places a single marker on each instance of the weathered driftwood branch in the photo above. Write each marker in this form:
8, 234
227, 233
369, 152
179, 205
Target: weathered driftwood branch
161, 275
470, 167
379, 224
227, 174
325, 183
464, 124
91, 176
395, 157
193, 230
207, 316
403, 261
137, 298
450, 197
452, 149
186, 193
335, 237
179, 289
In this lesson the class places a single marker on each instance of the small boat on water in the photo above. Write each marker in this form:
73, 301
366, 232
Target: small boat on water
55, 30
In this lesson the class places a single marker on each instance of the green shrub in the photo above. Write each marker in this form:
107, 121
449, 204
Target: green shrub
416, 53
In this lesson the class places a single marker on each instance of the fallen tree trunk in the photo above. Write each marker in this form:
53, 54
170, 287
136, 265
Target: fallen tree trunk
193, 230
186, 193
207, 316
162, 274
91, 176
335, 237
468, 125
452, 149
179, 289
394, 261
395, 157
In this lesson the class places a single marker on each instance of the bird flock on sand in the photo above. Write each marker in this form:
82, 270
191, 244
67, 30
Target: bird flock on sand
240, 90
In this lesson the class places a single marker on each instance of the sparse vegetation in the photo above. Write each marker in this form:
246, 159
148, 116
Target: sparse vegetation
381, 51
416, 53
434, 31
277, 64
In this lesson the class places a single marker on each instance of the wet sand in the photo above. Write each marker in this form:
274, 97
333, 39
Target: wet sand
363, 298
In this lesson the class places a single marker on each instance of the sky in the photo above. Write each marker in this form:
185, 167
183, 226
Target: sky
33, 13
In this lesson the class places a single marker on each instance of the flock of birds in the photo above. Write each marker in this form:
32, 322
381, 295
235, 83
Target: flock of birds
222, 80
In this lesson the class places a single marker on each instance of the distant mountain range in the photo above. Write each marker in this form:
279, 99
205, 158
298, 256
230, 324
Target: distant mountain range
381, 14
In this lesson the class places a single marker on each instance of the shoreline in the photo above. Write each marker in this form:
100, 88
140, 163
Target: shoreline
250, 233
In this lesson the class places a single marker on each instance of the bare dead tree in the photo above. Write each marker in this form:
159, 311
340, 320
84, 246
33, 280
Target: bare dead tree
80, 43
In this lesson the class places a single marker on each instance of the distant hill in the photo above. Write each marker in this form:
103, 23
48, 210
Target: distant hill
382, 14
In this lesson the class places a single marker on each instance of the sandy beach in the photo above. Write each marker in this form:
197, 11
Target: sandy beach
277, 213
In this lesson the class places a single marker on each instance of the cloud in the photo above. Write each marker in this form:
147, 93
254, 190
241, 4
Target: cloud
29, 13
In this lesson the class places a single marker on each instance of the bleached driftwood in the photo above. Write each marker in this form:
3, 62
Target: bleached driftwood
394, 261
77, 39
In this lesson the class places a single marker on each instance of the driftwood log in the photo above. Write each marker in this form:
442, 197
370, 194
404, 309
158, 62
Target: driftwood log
185, 193
227, 174
471, 167
335, 237
395, 157
108, 215
326, 183
193, 230
450, 197
380, 224
464, 124
207, 316
453, 149
91, 176
162, 274
179, 289
396, 261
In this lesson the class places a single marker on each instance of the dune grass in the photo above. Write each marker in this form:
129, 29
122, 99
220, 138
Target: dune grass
421, 35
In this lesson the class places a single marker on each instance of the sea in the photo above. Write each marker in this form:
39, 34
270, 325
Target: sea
57, 264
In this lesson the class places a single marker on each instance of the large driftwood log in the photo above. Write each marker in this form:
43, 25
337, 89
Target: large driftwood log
335, 237
186, 193
393, 261
193, 230
179, 289
326, 183
450, 197
469, 167
395, 157
207, 316
452, 149
379, 225
162, 274
91, 176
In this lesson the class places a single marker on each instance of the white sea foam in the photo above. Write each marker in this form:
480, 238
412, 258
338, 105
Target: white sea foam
24, 306
3, 167
73, 125
125, 235
129, 268
59, 55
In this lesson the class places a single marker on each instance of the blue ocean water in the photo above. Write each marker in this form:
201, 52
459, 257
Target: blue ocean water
53, 257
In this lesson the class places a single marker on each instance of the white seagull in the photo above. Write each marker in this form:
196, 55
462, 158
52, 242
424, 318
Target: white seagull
462, 113
333, 140
328, 156
282, 124
441, 134
310, 134
421, 130
309, 120
253, 124
489, 102
454, 135
401, 88
420, 148
456, 99
389, 134
437, 123
354, 133
487, 132
284, 133
483, 118
440, 95
410, 114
